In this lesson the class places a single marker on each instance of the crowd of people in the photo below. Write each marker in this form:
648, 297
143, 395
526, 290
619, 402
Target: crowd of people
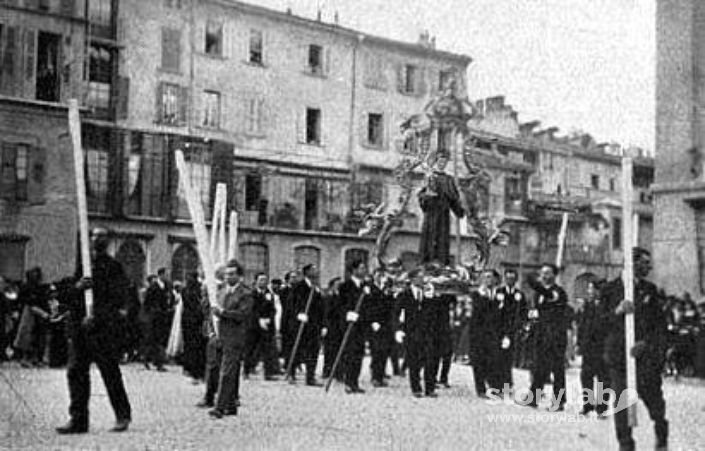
289, 324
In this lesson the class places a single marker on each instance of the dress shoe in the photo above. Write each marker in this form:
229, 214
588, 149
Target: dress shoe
72, 427
161, 369
230, 412
379, 384
216, 413
354, 390
203, 404
146, 366
417, 394
314, 383
445, 384
120, 426
432, 394
271, 378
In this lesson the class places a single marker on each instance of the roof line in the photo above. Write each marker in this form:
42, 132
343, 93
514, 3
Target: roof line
340, 30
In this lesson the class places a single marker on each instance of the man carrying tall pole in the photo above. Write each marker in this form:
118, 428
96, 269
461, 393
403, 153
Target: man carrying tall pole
637, 323
99, 294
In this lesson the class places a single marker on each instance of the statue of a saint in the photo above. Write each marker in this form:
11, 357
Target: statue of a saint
437, 198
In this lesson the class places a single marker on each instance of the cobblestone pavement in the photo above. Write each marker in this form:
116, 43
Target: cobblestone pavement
275, 415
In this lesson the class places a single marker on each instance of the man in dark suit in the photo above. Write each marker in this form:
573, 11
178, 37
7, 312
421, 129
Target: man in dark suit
593, 321
335, 325
650, 334
552, 324
312, 320
380, 332
444, 338
351, 291
95, 336
420, 315
484, 333
155, 313
233, 309
512, 309
260, 334
288, 325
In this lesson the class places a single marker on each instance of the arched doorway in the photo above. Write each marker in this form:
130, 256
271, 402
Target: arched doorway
184, 261
304, 255
254, 258
581, 284
352, 255
132, 258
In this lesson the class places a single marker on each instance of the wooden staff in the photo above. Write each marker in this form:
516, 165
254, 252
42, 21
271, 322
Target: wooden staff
299, 333
223, 244
193, 201
75, 128
459, 142
561, 243
217, 223
628, 281
346, 337
232, 235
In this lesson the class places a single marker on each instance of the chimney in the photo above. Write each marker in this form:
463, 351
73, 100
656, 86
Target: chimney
527, 127
318, 15
336, 18
495, 103
288, 11
551, 132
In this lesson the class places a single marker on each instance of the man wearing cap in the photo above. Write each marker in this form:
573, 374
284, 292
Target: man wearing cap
95, 337
650, 329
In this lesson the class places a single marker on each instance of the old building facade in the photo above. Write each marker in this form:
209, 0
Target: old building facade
574, 174
679, 238
298, 117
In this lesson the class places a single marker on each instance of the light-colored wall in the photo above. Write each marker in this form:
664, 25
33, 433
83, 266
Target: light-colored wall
50, 224
680, 109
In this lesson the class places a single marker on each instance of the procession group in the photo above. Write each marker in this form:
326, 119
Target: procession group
397, 315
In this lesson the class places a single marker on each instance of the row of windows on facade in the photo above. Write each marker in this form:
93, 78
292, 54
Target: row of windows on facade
143, 182
410, 77
252, 112
254, 257
34, 66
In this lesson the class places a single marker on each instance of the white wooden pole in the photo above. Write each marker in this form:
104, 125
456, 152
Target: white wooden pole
628, 243
457, 147
80, 176
215, 224
222, 243
561, 242
193, 200
232, 236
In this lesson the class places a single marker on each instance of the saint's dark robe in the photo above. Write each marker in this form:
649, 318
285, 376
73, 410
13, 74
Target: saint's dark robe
435, 231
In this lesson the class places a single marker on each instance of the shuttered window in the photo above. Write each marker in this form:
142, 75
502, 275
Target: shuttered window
171, 50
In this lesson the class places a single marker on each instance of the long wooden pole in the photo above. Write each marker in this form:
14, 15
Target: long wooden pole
299, 334
628, 280
79, 167
346, 337
193, 201
232, 235
458, 147
223, 244
561, 243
